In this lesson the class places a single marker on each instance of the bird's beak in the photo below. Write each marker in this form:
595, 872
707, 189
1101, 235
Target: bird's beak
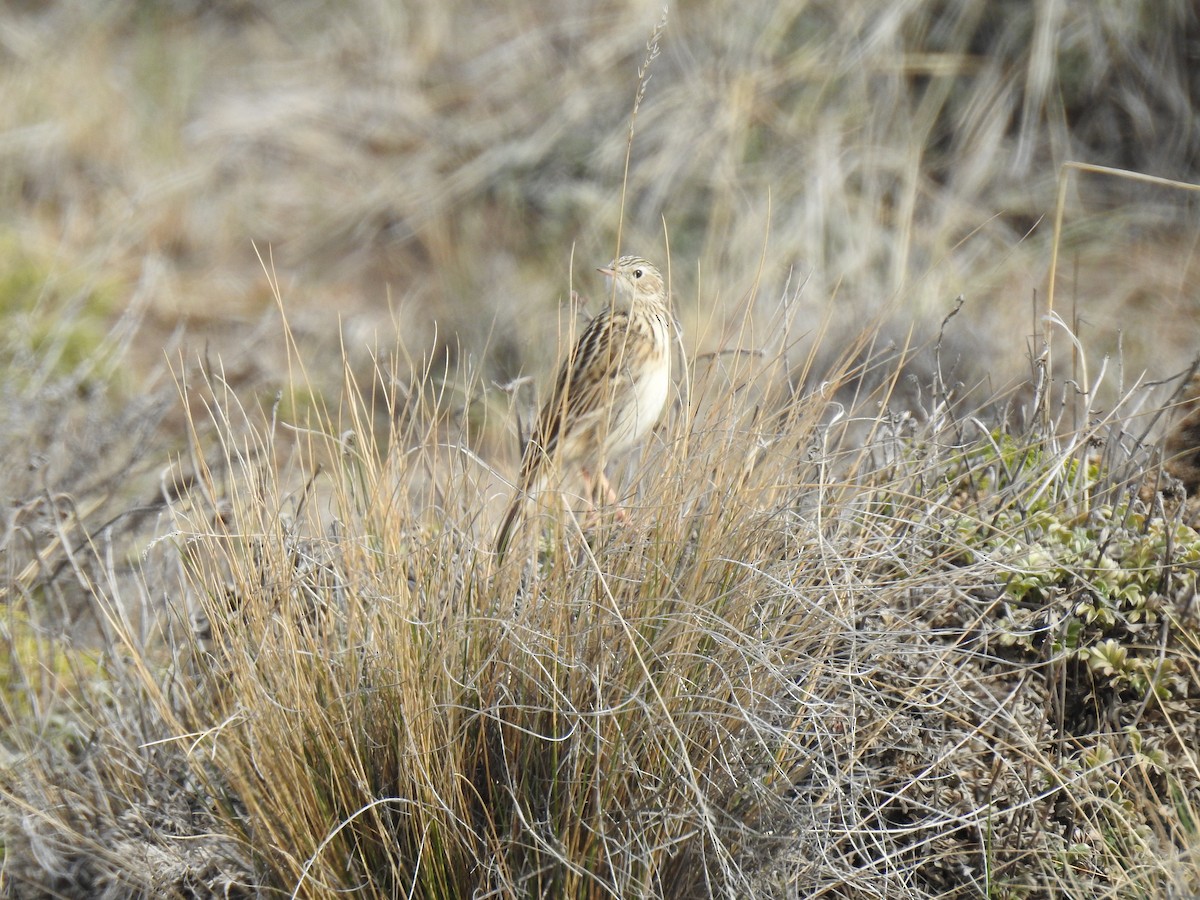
606, 270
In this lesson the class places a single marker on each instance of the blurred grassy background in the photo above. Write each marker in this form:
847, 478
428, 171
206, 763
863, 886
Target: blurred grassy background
421, 162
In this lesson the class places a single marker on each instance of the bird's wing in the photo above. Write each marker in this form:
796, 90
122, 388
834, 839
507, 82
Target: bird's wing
584, 383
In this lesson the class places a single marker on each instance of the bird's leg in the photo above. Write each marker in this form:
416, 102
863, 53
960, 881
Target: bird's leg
610, 497
589, 493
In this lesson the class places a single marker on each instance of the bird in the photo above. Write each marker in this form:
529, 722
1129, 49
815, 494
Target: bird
611, 388
1181, 449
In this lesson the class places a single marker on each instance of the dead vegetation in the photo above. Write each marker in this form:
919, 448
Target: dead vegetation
875, 627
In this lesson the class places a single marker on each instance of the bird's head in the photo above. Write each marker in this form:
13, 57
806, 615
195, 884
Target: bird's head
635, 279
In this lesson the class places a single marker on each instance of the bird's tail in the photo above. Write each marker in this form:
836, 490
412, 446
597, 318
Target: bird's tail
511, 519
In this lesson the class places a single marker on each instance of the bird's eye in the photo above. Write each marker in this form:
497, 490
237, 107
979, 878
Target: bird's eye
637, 273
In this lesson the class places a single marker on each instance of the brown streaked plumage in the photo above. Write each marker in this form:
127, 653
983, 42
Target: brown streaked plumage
1181, 450
610, 391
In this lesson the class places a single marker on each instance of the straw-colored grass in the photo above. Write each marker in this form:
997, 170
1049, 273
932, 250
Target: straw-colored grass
831, 652
878, 624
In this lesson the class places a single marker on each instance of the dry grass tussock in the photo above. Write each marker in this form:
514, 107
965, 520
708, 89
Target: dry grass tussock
835, 651
866, 632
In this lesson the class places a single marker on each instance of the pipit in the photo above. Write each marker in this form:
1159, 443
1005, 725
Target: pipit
1181, 450
611, 389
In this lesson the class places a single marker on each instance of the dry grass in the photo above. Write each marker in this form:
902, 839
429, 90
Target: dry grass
823, 658
453, 156
875, 628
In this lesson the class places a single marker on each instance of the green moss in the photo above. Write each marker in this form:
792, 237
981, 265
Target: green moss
40, 671
299, 403
59, 318
1096, 582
